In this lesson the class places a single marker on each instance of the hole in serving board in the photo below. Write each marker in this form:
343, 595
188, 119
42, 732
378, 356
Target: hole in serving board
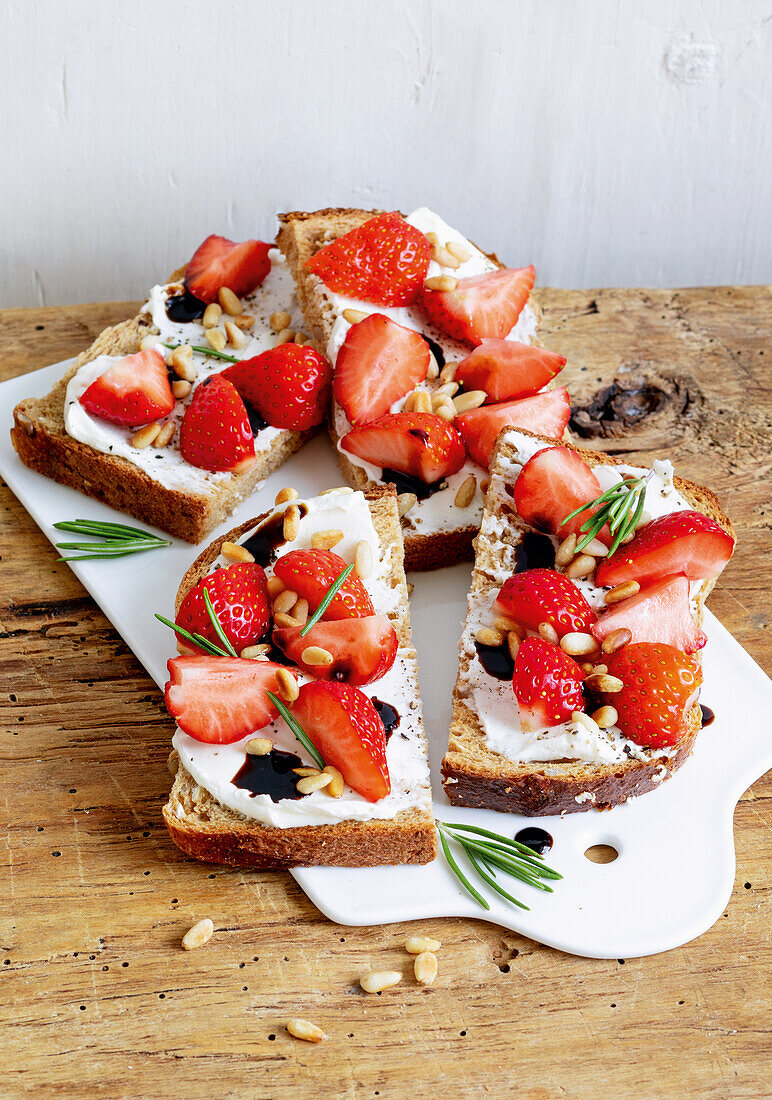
601, 853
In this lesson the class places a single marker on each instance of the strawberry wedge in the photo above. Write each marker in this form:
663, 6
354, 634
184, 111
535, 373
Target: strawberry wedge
362, 650
219, 700
218, 262
660, 612
482, 306
134, 390
420, 444
507, 370
543, 414
679, 542
552, 484
379, 362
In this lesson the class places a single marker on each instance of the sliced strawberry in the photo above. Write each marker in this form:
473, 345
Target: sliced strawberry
363, 650
660, 612
547, 684
661, 685
550, 486
679, 542
289, 385
239, 596
215, 432
482, 306
311, 572
348, 731
134, 390
383, 261
218, 262
379, 362
219, 700
507, 370
420, 444
544, 414
545, 596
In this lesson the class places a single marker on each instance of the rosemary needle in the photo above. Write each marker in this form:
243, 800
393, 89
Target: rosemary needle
297, 729
216, 624
117, 539
330, 595
205, 351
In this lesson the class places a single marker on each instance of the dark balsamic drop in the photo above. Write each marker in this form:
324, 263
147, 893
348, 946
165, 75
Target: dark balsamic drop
534, 552
436, 350
256, 421
184, 308
264, 543
270, 774
707, 715
389, 715
538, 840
496, 660
404, 483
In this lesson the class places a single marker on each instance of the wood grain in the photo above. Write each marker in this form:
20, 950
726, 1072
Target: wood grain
99, 999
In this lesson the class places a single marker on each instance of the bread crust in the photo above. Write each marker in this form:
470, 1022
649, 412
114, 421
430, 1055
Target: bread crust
207, 830
475, 775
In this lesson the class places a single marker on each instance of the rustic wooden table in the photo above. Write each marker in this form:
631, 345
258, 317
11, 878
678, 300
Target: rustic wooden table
99, 999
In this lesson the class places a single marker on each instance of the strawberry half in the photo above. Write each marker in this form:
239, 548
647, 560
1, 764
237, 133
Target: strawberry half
545, 596
383, 261
379, 362
679, 542
311, 572
547, 684
347, 730
661, 685
363, 650
239, 596
660, 612
544, 414
135, 390
289, 385
420, 444
482, 306
551, 485
215, 432
219, 700
218, 262
507, 370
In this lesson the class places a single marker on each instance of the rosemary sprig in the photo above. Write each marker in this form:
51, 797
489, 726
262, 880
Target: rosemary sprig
216, 625
488, 851
297, 729
197, 639
332, 592
205, 351
116, 539
621, 507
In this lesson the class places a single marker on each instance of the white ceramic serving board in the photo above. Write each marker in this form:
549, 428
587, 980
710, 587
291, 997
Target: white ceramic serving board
676, 864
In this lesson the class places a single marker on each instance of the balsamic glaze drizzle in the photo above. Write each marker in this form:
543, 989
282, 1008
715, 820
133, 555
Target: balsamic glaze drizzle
538, 840
270, 774
184, 308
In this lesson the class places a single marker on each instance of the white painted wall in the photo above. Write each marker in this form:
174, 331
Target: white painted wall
623, 142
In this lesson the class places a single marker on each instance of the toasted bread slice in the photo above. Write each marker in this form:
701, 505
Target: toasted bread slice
208, 830
474, 774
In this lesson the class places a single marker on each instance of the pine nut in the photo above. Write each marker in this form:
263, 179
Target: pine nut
564, 554
448, 372
306, 771
447, 412
596, 548
441, 282
578, 644
236, 337
433, 369
255, 652
374, 981
432, 238
363, 559
280, 320
275, 586
300, 338
486, 635
303, 1029
460, 251
233, 552
466, 492
599, 668
259, 746
185, 370
216, 338
587, 666
450, 388
313, 783
622, 592
422, 401
300, 612
286, 494
583, 719
405, 502
315, 655
291, 523
144, 436
601, 683
165, 435
336, 786
444, 258
285, 601
325, 540
212, 315
409, 405
244, 320
149, 343
581, 566
182, 354
505, 624
442, 404
284, 337
548, 633
616, 639
198, 935
230, 302
181, 388
628, 538
472, 399
287, 685
513, 643
425, 967
605, 717
353, 316
416, 945
280, 619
